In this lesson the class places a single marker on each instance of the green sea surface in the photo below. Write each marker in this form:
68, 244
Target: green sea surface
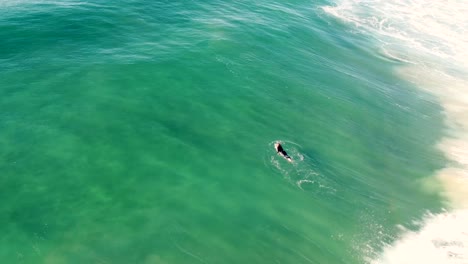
142, 132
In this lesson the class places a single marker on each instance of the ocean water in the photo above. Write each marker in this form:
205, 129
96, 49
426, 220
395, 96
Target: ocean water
138, 131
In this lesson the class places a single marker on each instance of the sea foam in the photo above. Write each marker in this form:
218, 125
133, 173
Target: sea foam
431, 41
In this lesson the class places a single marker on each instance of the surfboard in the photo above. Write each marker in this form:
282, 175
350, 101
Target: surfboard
286, 157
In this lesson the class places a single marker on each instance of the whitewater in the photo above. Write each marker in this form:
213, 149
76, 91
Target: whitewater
430, 41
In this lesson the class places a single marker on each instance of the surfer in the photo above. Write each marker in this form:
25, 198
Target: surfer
282, 152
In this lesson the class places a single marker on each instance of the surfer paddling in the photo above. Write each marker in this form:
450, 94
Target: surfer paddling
280, 150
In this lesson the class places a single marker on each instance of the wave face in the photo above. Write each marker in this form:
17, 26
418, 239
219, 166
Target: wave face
142, 131
429, 40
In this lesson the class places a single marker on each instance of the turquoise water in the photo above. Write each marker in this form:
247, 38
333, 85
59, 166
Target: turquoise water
142, 132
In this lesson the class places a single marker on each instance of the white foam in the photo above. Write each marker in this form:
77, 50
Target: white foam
432, 38
435, 29
443, 239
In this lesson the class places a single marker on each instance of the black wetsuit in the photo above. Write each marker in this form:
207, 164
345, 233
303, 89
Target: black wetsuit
281, 150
